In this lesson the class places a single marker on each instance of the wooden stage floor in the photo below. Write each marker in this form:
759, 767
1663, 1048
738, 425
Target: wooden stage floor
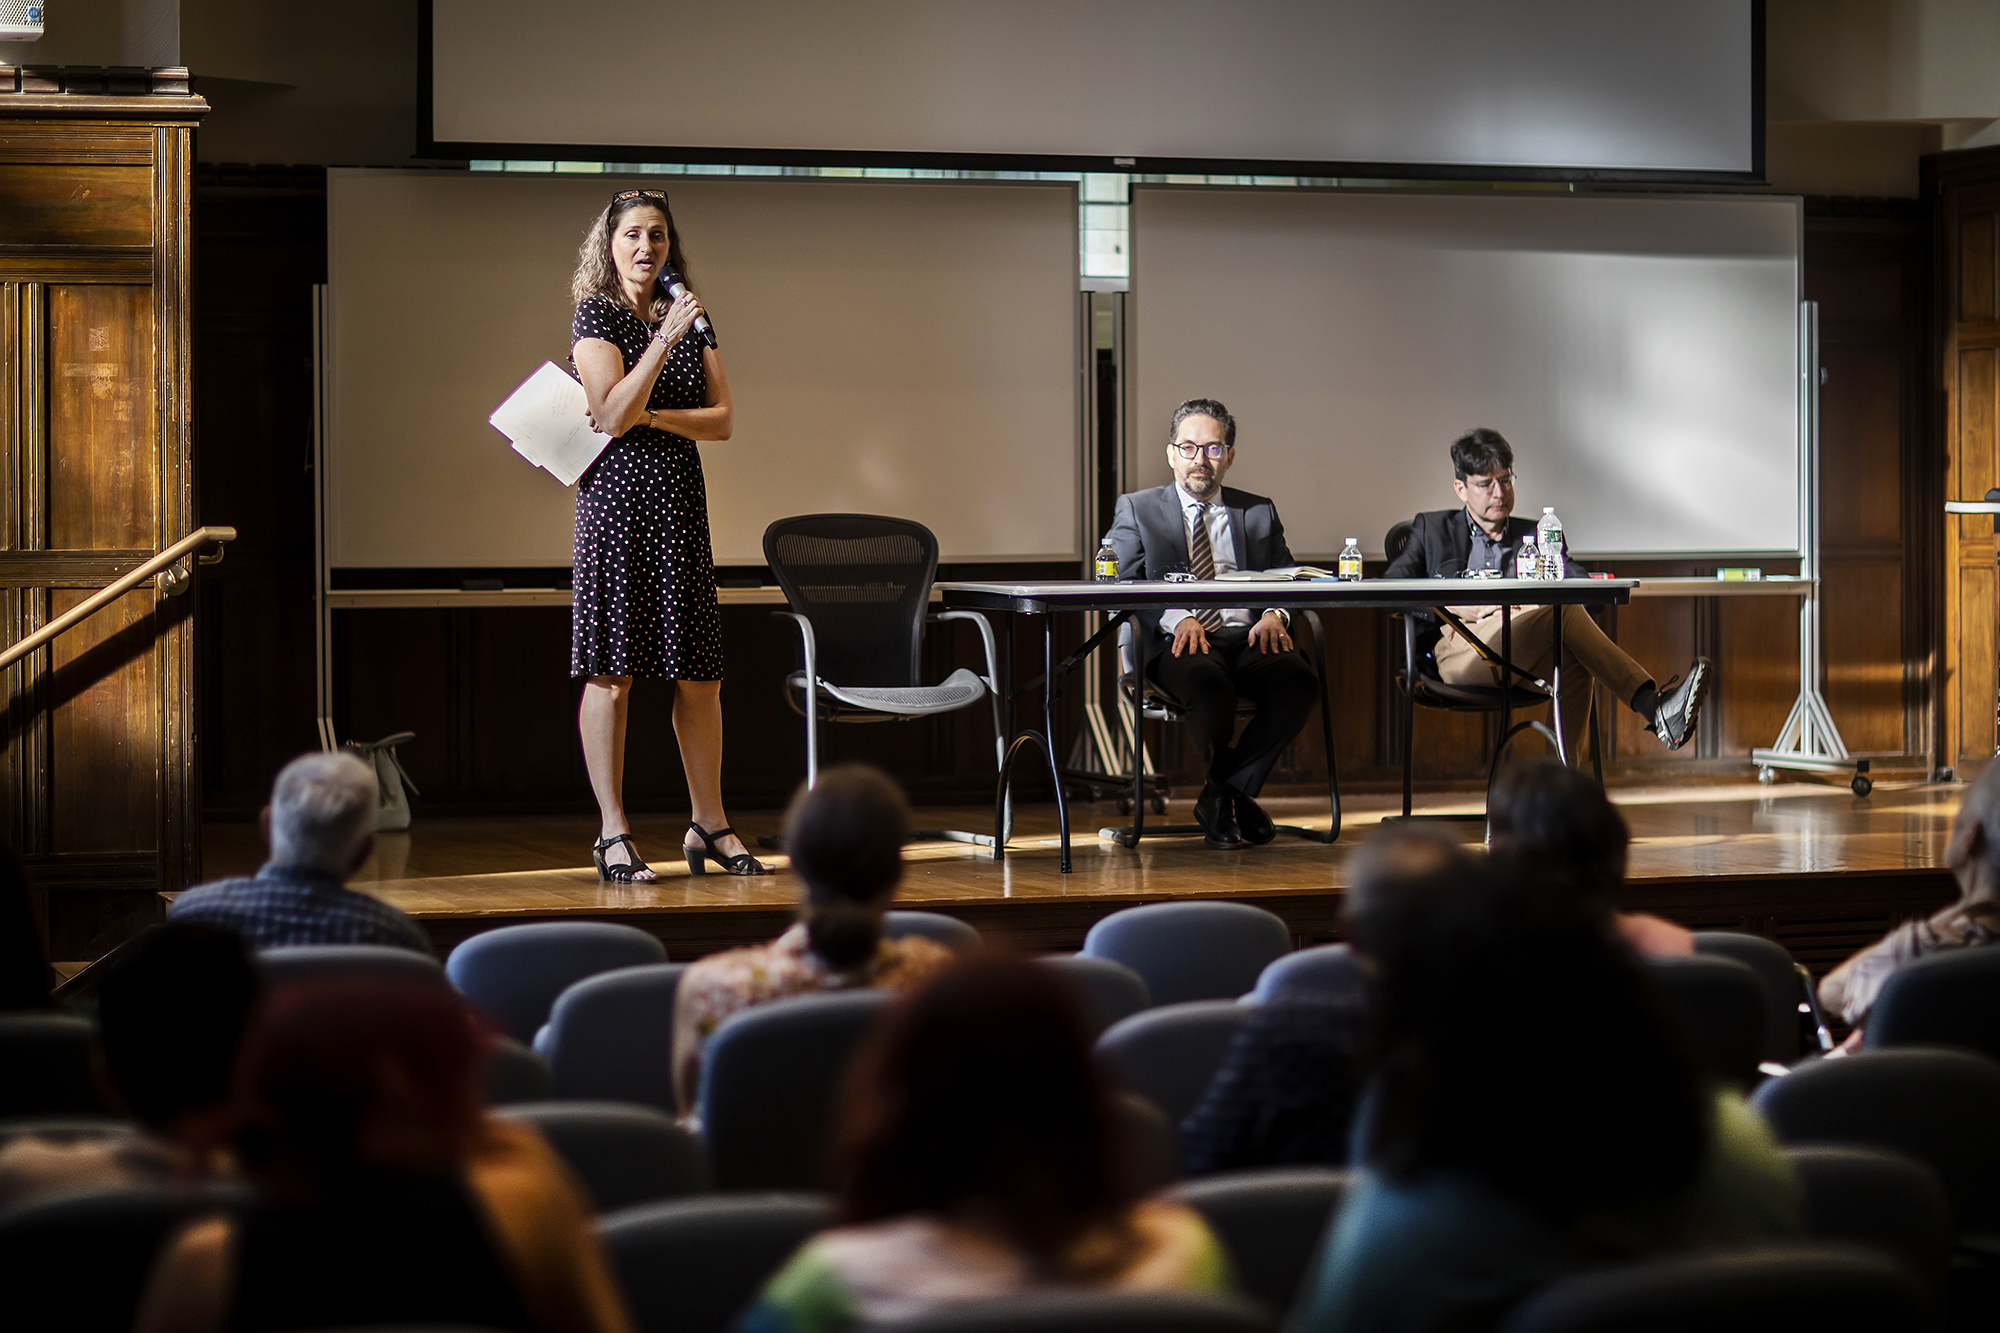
1810, 865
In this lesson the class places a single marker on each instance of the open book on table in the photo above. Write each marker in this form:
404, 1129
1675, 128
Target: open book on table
1283, 572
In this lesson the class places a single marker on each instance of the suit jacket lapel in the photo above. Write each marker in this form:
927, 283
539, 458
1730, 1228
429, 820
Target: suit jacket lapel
1172, 526
1237, 532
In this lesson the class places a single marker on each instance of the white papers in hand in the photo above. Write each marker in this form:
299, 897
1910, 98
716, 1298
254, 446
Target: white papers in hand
546, 418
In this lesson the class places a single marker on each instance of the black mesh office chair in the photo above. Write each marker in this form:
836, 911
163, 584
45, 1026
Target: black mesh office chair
1148, 701
1417, 680
859, 589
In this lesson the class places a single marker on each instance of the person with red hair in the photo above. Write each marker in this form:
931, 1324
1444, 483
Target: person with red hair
383, 1192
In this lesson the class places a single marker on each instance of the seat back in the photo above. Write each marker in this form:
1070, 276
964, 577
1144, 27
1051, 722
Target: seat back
770, 1078
1110, 990
516, 1074
1192, 950
695, 1265
1825, 1288
80, 1263
1271, 1221
48, 1066
610, 1037
622, 1154
949, 931
1089, 1312
298, 964
1947, 999
1783, 989
1170, 1053
1398, 539
1938, 1106
1886, 1200
1331, 970
864, 582
1720, 1005
514, 974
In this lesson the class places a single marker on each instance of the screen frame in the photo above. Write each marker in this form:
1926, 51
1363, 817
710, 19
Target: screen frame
429, 147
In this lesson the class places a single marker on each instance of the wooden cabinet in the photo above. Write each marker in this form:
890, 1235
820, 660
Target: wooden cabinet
101, 797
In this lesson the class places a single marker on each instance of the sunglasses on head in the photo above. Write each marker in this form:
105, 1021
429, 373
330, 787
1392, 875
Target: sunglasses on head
623, 195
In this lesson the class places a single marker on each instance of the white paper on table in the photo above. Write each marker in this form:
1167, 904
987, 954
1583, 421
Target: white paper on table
546, 418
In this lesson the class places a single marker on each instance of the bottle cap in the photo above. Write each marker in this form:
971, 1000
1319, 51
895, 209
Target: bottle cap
1353, 541
1548, 509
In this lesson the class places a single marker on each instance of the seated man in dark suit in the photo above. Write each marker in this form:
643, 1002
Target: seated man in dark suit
1483, 534
1207, 660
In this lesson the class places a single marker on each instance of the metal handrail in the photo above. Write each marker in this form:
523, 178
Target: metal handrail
111, 592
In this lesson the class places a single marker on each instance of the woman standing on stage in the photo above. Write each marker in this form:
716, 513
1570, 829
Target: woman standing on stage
645, 573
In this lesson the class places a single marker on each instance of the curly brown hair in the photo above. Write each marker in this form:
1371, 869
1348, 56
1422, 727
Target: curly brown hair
596, 275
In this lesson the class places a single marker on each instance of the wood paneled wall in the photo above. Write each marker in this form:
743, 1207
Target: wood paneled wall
489, 695
95, 475
1964, 189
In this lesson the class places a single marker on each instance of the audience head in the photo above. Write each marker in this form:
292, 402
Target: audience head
1398, 869
173, 1008
1481, 452
1973, 853
322, 813
340, 1075
978, 1100
845, 838
24, 971
1553, 821
1521, 1045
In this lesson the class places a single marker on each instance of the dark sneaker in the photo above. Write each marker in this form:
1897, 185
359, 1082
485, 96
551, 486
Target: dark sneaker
1679, 708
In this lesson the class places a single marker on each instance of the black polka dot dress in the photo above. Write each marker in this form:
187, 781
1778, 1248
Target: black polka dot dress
645, 572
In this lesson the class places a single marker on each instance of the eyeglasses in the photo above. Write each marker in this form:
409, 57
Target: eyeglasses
623, 195
1488, 485
1196, 450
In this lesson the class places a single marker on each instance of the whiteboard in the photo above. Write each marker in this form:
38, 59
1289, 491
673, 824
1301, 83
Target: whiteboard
901, 348
1549, 84
1639, 352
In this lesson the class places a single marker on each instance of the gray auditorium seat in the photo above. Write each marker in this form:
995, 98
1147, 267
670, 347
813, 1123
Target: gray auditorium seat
514, 974
770, 1080
949, 931
1271, 1221
296, 963
1089, 1312
1937, 1106
1784, 985
1721, 1006
1887, 1200
623, 1154
1333, 970
1822, 1288
610, 1037
515, 1074
1170, 1052
1110, 990
694, 1265
1947, 999
48, 1066
1192, 950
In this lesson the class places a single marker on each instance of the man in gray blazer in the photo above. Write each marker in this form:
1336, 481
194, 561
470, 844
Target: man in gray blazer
1209, 659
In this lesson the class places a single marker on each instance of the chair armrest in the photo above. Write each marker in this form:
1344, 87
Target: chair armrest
808, 643
985, 638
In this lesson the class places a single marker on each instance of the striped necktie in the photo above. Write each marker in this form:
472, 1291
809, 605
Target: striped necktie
1201, 563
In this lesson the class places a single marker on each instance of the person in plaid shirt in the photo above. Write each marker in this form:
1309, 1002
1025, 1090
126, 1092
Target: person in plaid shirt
320, 826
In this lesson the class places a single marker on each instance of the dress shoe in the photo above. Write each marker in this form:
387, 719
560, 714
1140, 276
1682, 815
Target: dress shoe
1679, 707
1255, 825
1216, 814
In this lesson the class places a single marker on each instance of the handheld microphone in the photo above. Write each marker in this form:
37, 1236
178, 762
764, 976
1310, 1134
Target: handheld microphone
676, 289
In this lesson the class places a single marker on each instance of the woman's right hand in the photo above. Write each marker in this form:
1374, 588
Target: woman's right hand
680, 318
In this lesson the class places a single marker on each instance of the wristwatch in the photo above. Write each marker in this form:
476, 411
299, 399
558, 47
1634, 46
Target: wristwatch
651, 414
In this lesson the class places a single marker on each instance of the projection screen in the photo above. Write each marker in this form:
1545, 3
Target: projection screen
904, 348
1144, 85
1640, 353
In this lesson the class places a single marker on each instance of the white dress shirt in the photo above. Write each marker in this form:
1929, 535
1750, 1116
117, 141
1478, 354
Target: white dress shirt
1222, 541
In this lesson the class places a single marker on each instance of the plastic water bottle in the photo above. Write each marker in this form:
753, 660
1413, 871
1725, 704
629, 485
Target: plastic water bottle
1549, 536
1526, 566
1350, 562
1107, 561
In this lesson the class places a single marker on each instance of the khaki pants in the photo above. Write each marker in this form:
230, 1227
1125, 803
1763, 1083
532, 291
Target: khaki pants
1584, 645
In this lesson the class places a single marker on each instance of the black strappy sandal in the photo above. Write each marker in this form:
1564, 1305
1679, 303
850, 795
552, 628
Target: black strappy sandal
621, 874
740, 864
